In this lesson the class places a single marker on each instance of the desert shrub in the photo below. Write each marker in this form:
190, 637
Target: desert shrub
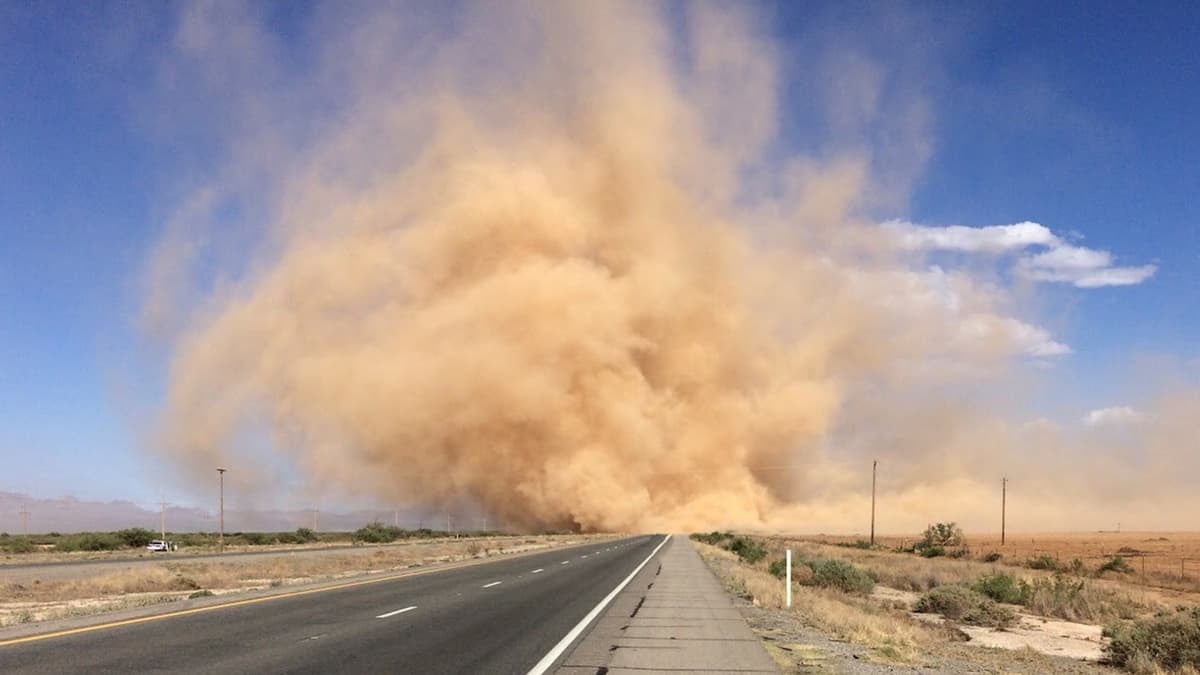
841, 575
960, 603
305, 535
1043, 562
90, 541
992, 557
1170, 639
940, 536
376, 533
182, 583
1075, 600
858, 543
135, 537
1076, 567
254, 538
1116, 564
958, 553
931, 551
712, 538
1003, 588
203, 593
286, 538
778, 568
18, 545
747, 549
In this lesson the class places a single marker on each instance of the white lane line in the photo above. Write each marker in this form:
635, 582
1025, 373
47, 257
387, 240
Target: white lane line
553, 655
564, 562
583, 556
494, 583
540, 569
399, 611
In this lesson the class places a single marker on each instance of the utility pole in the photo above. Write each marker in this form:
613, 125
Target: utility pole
162, 517
874, 466
1003, 507
314, 520
25, 520
221, 532
396, 518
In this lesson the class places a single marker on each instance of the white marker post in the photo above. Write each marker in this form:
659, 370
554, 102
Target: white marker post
789, 577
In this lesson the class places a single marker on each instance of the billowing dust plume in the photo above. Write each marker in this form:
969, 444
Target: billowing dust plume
541, 263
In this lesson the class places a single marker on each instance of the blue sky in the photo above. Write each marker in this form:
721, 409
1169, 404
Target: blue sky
1082, 118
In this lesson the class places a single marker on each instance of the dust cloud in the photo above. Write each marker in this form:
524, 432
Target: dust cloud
545, 258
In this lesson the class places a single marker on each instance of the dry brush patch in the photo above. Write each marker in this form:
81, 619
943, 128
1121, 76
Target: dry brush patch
889, 632
1065, 596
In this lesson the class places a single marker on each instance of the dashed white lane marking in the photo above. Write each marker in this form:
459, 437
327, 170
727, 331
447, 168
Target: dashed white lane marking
564, 562
494, 583
399, 611
537, 570
583, 556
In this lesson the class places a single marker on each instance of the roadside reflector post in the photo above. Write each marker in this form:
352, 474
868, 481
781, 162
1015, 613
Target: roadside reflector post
788, 565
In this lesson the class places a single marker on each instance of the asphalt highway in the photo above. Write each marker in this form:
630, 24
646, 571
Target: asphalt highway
496, 617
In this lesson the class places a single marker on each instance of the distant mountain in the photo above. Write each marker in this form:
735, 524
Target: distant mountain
68, 514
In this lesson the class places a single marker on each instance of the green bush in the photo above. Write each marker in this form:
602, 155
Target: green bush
18, 545
377, 533
778, 568
747, 549
1003, 588
135, 537
712, 538
1116, 564
90, 541
960, 603
1170, 639
937, 538
305, 536
1043, 562
841, 575
992, 557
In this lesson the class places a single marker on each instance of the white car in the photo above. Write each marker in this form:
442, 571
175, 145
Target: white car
158, 545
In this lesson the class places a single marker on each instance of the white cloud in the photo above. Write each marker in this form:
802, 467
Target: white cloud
1059, 262
1116, 415
991, 239
1029, 339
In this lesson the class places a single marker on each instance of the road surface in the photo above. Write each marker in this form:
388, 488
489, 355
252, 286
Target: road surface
496, 617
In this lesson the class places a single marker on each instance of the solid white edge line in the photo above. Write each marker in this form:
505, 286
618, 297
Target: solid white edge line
558, 650
494, 583
399, 611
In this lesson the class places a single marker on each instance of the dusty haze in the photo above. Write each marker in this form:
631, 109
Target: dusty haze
546, 259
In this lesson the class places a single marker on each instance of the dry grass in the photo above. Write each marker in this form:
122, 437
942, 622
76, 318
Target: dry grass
893, 636
1168, 560
169, 581
1096, 600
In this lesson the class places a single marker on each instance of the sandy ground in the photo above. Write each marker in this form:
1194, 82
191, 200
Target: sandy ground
1053, 637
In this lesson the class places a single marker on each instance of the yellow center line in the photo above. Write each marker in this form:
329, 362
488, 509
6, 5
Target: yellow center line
252, 601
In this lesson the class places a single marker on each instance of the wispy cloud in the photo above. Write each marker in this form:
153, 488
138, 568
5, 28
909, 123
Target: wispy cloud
1052, 260
1114, 416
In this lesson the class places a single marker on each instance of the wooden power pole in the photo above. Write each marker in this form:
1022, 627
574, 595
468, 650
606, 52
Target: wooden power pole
1003, 506
874, 465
